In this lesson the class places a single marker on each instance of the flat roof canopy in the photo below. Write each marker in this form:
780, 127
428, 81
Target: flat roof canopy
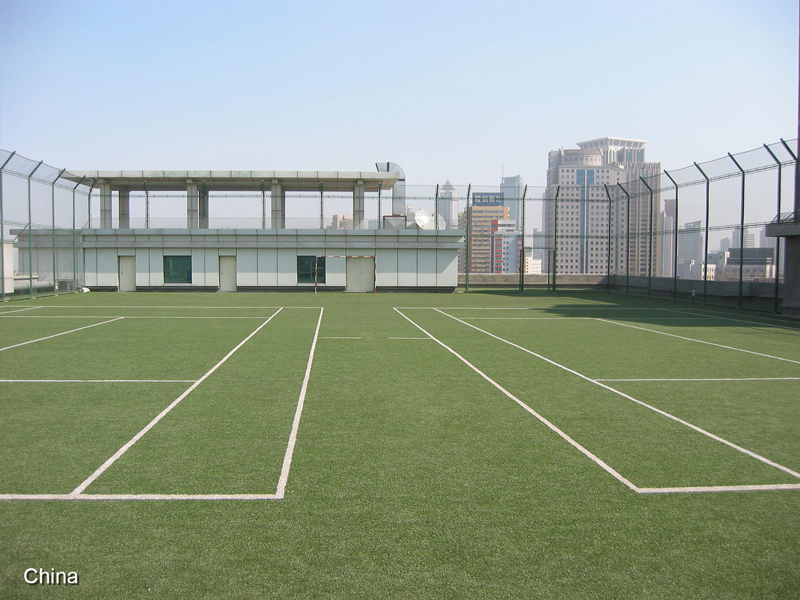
254, 181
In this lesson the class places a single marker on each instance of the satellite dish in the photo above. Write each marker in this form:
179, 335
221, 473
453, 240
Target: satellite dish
428, 221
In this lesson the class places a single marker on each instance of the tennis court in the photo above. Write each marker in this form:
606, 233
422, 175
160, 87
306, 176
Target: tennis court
398, 445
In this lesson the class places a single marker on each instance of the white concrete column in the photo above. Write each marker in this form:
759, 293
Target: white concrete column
278, 196
105, 206
124, 209
192, 205
358, 205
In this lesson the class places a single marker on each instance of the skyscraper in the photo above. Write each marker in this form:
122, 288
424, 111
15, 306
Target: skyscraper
448, 205
511, 188
601, 198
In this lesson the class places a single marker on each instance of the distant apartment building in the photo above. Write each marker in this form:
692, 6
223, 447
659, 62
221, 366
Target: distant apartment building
690, 251
476, 221
666, 239
341, 222
597, 190
758, 264
505, 246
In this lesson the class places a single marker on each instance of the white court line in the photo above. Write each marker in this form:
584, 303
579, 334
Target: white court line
123, 316
527, 308
96, 380
90, 306
5, 312
632, 399
287, 459
575, 444
100, 470
412, 338
681, 337
714, 379
721, 488
139, 497
583, 319
58, 334
718, 317
338, 338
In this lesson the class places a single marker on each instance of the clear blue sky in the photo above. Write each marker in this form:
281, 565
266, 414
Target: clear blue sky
446, 89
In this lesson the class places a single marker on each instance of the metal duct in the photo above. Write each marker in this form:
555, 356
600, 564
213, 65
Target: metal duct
399, 190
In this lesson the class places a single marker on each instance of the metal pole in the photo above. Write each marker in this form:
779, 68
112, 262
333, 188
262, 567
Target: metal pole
75, 239
608, 240
436, 208
777, 239
53, 223
321, 206
675, 241
627, 239
705, 248
650, 243
741, 234
30, 232
146, 205
555, 238
468, 225
522, 246
3, 234
380, 210
263, 205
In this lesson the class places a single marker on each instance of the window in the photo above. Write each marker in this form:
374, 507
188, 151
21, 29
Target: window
177, 269
306, 266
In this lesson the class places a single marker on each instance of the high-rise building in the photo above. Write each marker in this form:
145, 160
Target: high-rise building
476, 221
512, 188
505, 246
666, 239
448, 205
600, 194
690, 250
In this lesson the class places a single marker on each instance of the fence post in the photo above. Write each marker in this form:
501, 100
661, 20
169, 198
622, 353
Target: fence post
467, 226
75, 239
3, 234
522, 246
705, 249
741, 234
777, 240
555, 238
627, 239
53, 223
650, 242
30, 231
608, 241
263, 205
675, 241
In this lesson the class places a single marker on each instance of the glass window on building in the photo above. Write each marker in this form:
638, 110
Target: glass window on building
177, 269
306, 267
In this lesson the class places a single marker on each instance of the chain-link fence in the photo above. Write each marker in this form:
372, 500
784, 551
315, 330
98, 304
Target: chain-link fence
42, 215
617, 225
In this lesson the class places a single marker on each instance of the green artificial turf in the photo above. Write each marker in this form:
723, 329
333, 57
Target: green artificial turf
413, 476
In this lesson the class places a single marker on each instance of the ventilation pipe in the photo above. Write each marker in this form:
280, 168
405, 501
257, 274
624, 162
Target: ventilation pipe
399, 189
